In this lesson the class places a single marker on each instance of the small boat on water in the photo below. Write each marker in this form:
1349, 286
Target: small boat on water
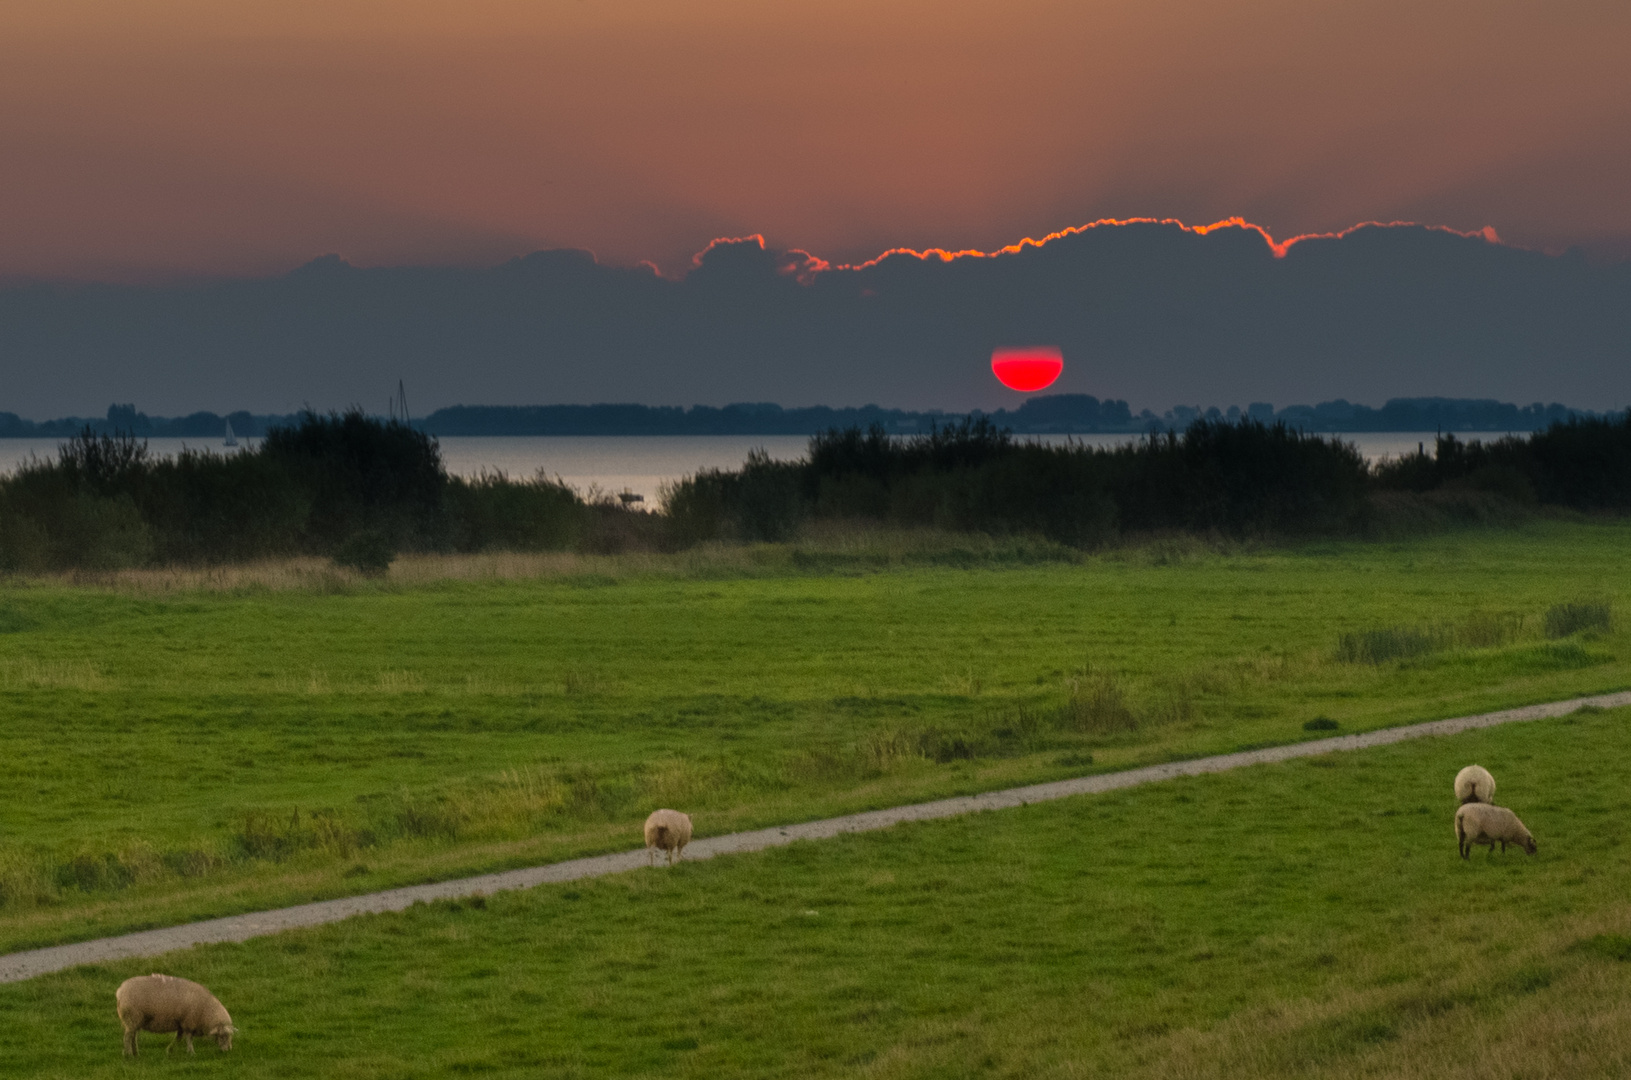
231, 439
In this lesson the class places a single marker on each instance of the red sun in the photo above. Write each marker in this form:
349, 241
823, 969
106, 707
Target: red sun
1031, 368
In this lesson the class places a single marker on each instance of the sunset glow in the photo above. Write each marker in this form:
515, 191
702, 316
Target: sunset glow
177, 138
1278, 247
1027, 369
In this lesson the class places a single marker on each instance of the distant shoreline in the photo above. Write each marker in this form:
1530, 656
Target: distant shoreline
1055, 414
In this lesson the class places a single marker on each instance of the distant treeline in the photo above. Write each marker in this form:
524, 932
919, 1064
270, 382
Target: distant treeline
125, 420
359, 489
1045, 414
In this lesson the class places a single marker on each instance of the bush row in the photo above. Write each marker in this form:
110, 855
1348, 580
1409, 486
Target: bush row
1583, 463
1236, 478
342, 485
360, 489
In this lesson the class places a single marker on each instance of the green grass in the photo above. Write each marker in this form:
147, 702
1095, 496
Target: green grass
1304, 919
185, 754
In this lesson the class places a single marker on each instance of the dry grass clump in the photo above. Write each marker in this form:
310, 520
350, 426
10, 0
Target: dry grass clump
28, 674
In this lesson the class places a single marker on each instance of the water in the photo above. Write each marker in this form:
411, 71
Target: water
641, 464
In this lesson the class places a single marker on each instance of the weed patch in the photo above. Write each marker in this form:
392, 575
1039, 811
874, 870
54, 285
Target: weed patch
1388, 643
1581, 616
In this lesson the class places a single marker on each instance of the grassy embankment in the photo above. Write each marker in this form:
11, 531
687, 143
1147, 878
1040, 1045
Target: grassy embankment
1309, 919
178, 754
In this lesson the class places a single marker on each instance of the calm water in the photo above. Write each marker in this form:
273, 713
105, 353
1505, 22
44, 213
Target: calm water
642, 463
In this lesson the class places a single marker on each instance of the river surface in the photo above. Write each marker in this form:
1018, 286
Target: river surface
641, 464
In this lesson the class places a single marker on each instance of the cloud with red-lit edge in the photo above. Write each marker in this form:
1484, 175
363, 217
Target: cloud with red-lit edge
1155, 312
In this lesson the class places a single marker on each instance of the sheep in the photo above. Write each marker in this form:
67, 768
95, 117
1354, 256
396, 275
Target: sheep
165, 1003
1480, 823
669, 830
1474, 784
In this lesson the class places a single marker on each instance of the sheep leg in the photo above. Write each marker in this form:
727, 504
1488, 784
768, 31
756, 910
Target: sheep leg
130, 1042
173, 1045
189, 1042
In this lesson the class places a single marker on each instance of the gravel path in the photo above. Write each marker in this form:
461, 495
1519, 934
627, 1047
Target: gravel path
25, 965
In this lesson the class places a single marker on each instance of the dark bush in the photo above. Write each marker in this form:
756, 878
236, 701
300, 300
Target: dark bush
360, 474
1240, 479
493, 511
367, 552
1584, 463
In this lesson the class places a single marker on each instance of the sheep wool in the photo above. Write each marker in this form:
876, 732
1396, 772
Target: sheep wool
1481, 823
668, 831
164, 1003
1474, 784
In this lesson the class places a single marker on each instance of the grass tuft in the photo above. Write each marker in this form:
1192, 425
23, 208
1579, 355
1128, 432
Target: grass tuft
1580, 616
1388, 643
1611, 946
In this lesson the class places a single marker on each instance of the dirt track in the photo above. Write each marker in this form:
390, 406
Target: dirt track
26, 965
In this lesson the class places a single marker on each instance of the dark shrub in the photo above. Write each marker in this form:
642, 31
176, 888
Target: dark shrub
1239, 478
700, 508
768, 498
362, 473
1584, 463
367, 552
208, 507
493, 511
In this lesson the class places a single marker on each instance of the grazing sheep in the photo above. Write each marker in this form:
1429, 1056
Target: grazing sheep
1474, 784
669, 830
1481, 823
165, 1003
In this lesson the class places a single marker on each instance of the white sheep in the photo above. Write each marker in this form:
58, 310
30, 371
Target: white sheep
165, 1003
669, 830
1481, 823
1474, 784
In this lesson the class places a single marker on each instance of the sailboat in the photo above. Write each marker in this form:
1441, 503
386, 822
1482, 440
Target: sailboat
231, 439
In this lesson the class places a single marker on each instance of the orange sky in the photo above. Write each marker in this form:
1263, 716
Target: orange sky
146, 139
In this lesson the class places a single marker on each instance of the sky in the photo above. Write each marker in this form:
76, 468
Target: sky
152, 141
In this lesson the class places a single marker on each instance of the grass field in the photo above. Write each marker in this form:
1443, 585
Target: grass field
1308, 919
243, 742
